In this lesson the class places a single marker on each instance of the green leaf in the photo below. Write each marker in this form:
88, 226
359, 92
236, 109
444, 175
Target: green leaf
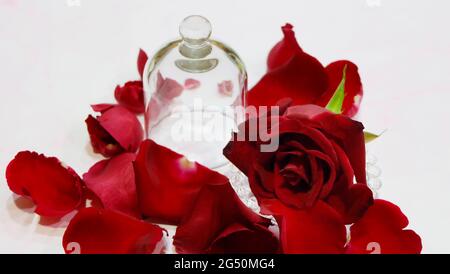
335, 103
369, 137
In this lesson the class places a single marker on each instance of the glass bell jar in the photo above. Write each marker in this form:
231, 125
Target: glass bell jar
195, 94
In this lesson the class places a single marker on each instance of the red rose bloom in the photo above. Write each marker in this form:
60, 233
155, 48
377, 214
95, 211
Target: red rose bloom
115, 131
131, 96
318, 157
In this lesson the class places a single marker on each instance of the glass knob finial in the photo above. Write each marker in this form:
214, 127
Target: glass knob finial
195, 29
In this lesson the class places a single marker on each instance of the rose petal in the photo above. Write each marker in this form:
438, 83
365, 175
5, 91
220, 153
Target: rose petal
220, 223
317, 230
113, 182
191, 84
167, 183
102, 107
302, 79
167, 89
225, 88
102, 142
100, 231
353, 87
284, 50
142, 60
381, 230
345, 131
55, 189
131, 96
123, 126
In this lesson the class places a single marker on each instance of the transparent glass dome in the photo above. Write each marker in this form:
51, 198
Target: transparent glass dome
195, 94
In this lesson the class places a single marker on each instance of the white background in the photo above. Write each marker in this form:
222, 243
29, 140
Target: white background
58, 56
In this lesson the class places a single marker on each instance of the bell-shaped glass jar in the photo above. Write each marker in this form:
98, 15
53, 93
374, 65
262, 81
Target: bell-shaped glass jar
195, 94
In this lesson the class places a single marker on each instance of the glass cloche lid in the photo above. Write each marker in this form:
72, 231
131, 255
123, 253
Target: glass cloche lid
195, 94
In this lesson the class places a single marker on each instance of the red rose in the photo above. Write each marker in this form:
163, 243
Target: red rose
318, 156
131, 96
115, 131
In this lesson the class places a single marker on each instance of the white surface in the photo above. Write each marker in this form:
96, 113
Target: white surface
57, 57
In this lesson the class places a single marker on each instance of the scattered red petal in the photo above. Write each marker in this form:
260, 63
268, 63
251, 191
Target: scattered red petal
131, 96
226, 88
284, 50
167, 183
102, 107
112, 181
317, 230
142, 60
191, 84
100, 231
302, 79
55, 189
220, 223
381, 230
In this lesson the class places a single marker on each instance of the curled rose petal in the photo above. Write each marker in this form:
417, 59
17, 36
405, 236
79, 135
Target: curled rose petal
167, 89
317, 230
142, 60
382, 230
100, 231
302, 79
55, 189
225, 88
116, 130
191, 84
284, 50
220, 223
305, 81
102, 107
112, 181
131, 96
353, 87
167, 182
347, 132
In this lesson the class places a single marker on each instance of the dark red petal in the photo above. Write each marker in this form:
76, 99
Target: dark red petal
284, 50
302, 79
102, 142
131, 96
167, 182
353, 86
100, 231
113, 182
123, 126
142, 60
347, 133
382, 227
317, 230
220, 223
55, 189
